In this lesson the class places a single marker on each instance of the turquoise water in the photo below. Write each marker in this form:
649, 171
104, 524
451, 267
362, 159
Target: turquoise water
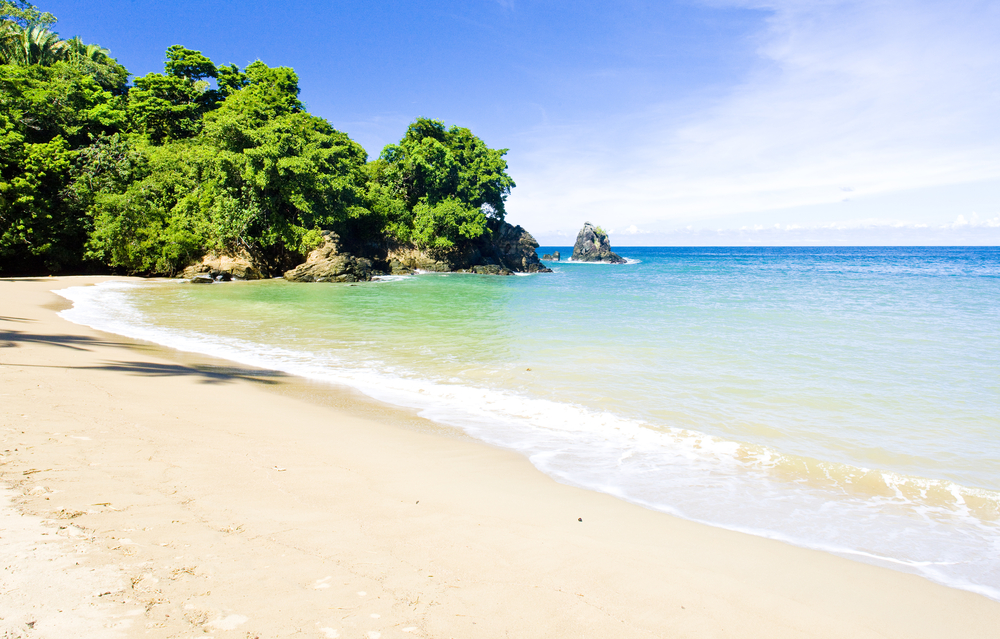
846, 399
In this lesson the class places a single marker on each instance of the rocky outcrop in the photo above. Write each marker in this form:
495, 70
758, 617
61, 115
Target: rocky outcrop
506, 250
223, 268
514, 248
552, 257
328, 264
592, 245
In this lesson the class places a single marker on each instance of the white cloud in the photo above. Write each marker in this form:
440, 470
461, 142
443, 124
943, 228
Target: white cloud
863, 97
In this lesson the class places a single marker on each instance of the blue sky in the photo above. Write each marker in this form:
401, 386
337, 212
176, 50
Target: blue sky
711, 122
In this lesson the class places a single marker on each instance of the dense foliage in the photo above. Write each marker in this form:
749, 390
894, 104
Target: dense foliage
147, 177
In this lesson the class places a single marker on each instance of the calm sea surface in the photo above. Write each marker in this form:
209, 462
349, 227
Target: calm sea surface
846, 399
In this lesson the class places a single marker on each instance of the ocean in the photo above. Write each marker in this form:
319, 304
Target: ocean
843, 399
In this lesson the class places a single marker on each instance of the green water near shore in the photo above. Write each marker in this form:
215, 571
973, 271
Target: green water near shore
847, 399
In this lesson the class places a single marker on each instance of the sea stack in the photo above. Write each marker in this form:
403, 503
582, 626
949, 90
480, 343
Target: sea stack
592, 245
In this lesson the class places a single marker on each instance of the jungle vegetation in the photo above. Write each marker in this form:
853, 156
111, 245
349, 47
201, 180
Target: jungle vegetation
101, 170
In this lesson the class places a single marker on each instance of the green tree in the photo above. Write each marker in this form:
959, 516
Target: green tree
164, 108
44, 102
442, 226
35, 229
188, 64
230, 79
254, 98
390, 219
433, 163
149, 204
26, 39
33, 44
148, 178
46, 114
97, 62
23, 14
282, 172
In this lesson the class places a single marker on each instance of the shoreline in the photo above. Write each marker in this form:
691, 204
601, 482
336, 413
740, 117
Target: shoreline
210, 480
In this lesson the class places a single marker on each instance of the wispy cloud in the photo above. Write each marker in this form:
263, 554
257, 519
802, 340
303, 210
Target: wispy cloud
847, 99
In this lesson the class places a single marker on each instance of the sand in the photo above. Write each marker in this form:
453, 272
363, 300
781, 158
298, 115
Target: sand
156, 494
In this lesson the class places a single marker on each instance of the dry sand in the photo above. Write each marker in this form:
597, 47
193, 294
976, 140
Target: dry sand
154, 494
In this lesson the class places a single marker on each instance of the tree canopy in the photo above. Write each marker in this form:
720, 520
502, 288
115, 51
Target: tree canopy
96, 173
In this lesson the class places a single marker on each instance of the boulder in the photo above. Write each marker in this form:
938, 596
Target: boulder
328, 264
406, 260
592, 245
202, 278
551, 257
224, 268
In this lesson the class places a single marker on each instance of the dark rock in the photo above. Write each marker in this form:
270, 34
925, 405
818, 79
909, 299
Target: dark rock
327, 264
592, 245
485, 269
202, 279
490, 269
551, 257
514, 249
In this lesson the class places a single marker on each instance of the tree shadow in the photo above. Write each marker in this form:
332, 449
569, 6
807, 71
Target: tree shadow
208, 374
6, 318
13, 339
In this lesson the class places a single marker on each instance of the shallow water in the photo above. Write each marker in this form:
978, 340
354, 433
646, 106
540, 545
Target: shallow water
846, 399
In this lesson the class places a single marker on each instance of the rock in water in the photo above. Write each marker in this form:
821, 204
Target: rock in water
592, 245
514, 249
327, 264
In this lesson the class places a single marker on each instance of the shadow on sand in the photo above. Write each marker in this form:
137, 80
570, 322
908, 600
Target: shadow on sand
207, 374
13, 339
